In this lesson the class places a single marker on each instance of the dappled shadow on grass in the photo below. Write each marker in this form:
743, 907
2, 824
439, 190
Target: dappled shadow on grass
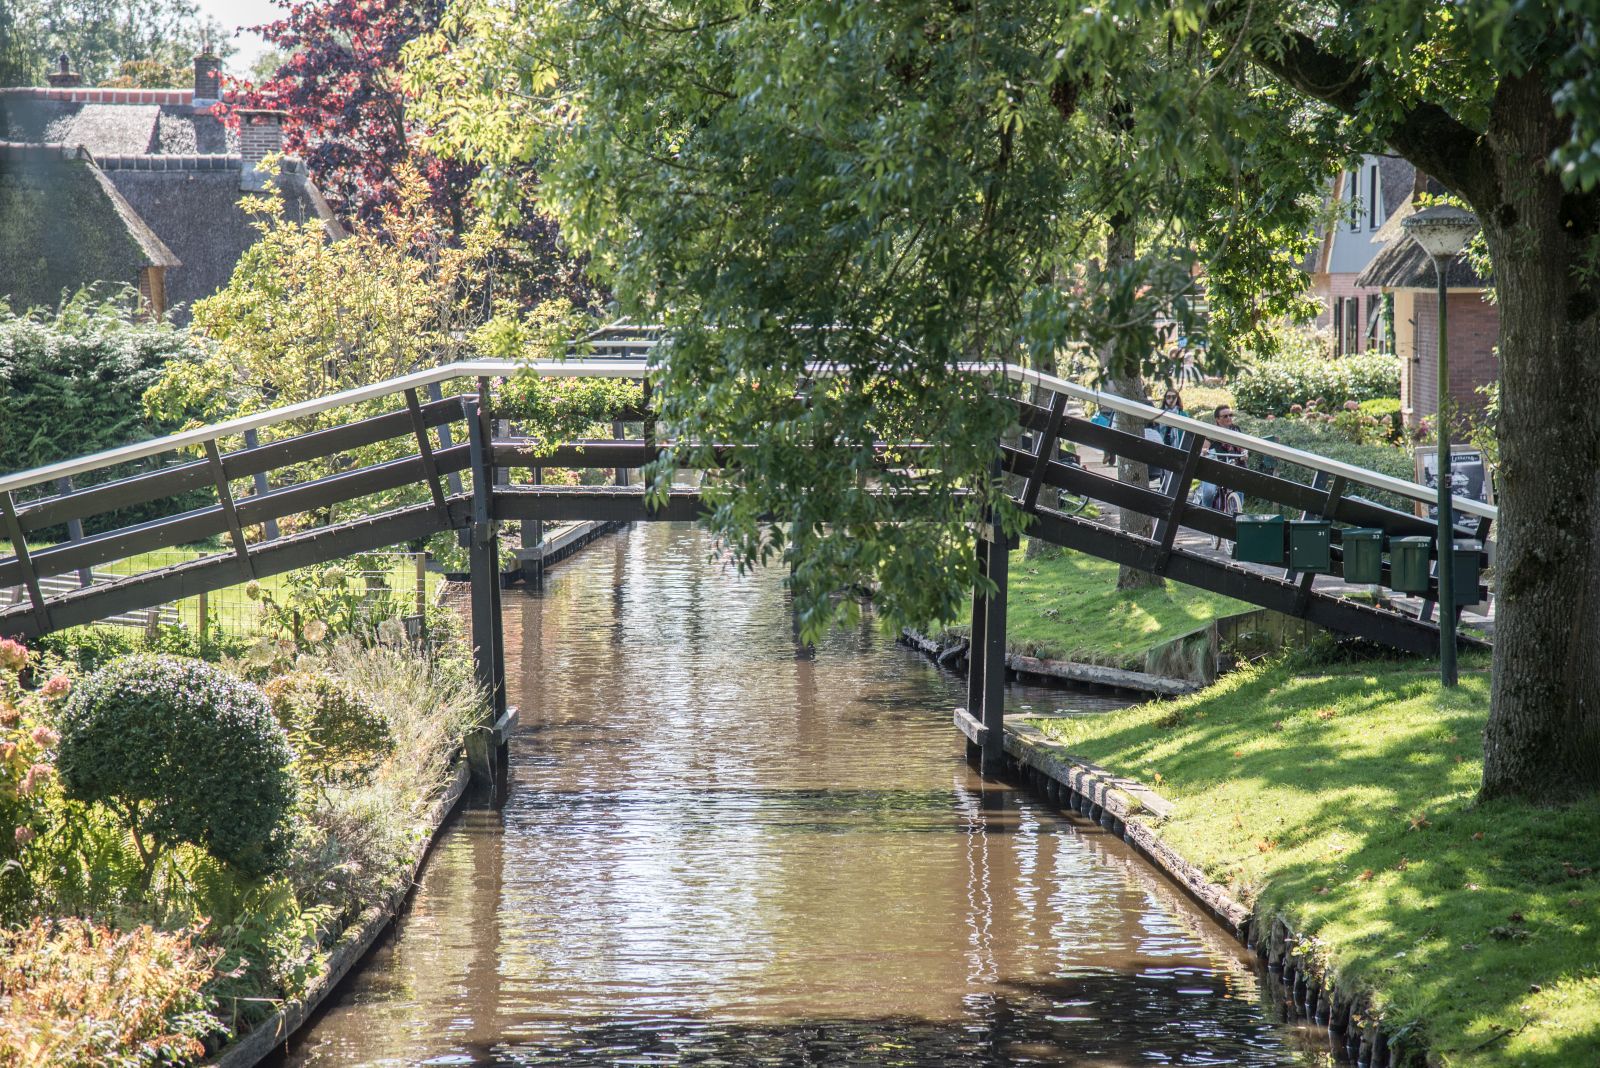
1344, 797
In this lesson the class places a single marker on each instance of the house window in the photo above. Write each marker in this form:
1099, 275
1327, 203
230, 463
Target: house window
1338, 325
1377, 335
1372, 198
1355, 211
1352, 324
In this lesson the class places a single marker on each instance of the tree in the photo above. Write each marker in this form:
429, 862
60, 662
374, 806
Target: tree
885, 186
339, 64
99, 36
338, 74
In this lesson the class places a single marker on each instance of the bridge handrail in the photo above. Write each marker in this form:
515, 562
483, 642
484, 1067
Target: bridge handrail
597, 367
614, 367
1285, 453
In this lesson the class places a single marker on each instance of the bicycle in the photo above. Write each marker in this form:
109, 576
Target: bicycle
1227, 501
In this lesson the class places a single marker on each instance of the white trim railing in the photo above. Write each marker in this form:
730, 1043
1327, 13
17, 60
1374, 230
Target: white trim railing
631, 367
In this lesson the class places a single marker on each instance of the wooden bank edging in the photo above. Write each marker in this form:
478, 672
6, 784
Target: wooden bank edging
1063, 670
352, 945
1133, 812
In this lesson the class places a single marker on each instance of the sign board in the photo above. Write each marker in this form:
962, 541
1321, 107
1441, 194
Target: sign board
1469, 475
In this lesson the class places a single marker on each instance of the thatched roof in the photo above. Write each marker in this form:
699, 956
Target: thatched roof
66, 226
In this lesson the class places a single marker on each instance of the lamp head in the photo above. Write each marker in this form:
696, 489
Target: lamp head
1442, 230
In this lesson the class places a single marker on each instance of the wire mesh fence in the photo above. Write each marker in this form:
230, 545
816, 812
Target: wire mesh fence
372, 587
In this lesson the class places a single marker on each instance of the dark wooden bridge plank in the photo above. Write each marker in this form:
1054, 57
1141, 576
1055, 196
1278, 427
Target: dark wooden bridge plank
184, 478
623, 504
221, 570
348, 485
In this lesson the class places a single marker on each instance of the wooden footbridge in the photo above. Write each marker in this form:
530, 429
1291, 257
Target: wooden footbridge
436, 430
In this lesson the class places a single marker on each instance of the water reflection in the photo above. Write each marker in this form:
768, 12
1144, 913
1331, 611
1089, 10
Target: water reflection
724, 848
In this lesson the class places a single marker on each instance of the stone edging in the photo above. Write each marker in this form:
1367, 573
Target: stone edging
1064, 670
1133, 812
263, 1039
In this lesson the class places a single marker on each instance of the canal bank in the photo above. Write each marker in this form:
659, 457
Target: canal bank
1326, 813
782, 855
349, 950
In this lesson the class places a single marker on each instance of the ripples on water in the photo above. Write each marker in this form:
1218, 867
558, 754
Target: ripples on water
724, 848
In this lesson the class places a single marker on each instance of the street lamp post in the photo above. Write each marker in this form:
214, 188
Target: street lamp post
1442, 232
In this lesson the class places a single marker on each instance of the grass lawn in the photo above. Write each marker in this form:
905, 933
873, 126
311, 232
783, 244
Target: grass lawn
1067, 607
1342, 797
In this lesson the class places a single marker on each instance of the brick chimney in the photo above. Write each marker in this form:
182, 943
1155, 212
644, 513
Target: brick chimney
63, 77
207, 77
260, 135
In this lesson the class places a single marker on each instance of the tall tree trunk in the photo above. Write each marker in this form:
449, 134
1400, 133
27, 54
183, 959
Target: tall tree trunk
1543, 736
1122, 377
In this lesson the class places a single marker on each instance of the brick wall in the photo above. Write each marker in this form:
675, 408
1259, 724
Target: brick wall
1474, 333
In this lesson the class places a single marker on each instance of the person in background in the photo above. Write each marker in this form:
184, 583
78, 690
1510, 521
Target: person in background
1172, 401
1223, 451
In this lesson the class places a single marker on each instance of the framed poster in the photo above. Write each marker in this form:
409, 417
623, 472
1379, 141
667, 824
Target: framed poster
1469, 475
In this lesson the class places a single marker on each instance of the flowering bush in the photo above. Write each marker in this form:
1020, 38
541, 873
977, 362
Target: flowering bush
27, 766
75, 993
1275, 386
181, 751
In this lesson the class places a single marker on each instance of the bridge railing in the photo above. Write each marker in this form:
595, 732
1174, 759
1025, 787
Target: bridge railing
220, 484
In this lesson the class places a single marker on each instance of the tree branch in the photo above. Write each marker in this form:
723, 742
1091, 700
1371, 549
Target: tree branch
1430, 137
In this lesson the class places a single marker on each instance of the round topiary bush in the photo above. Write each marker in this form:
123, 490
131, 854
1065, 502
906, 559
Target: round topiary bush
182, 751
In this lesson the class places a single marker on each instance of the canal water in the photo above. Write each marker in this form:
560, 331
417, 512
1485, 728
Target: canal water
724, 848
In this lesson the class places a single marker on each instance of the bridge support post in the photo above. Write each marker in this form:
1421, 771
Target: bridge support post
975, 650
486, 748
996, 566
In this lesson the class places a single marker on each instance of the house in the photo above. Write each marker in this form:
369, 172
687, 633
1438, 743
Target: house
1356, 314
177, 171
1377, 293
1405, 274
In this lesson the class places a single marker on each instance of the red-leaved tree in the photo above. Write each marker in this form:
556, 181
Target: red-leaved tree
347, 119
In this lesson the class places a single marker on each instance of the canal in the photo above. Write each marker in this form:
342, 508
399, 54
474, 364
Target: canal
723, 848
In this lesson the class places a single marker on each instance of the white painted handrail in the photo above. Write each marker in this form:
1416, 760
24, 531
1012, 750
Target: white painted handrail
1212, 432
597, 367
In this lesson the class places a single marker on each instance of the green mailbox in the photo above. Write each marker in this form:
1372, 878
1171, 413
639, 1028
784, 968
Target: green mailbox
1466, 574
1310, 545
1408, 563
1363, 554
1258, 539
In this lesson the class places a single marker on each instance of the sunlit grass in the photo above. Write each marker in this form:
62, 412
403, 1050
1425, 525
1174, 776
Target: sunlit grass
1066, 606
1343, 797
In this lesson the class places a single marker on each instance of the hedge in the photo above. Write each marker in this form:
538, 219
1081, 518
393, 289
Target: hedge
1272, 387
1390, 460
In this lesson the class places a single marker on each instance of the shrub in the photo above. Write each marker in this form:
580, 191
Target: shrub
71, 381
181, 751
1387, 410
1325, 440
1272, 387
337, 736
27, 773
78, 994
92, 647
